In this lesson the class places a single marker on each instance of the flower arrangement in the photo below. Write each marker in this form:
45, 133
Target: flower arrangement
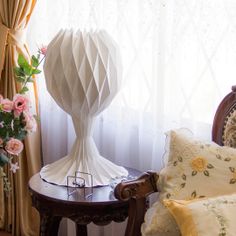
16, 120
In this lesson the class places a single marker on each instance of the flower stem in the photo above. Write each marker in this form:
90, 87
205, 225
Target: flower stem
29, 77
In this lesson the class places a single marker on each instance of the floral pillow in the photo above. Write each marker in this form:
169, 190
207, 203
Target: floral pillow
195, 169
195, 216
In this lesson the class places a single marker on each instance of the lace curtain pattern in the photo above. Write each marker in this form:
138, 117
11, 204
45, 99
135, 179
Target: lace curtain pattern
179, 61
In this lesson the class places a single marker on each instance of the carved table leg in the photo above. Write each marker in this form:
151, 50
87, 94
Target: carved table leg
81, 230
49, 225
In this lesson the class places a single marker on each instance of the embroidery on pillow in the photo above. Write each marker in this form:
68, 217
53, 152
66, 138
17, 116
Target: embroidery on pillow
213, 206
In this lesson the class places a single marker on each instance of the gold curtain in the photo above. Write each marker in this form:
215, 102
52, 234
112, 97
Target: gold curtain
16, 213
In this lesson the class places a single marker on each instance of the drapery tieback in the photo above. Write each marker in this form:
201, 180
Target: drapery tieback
10, 37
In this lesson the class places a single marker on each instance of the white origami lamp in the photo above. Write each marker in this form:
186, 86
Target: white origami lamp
82, 71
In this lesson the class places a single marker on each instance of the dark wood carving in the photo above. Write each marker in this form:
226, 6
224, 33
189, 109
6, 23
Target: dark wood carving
137, 190
225, 107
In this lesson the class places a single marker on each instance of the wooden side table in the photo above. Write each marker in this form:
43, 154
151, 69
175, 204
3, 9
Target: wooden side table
53, 203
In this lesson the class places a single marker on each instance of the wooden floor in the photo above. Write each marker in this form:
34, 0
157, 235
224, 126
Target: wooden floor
4, 234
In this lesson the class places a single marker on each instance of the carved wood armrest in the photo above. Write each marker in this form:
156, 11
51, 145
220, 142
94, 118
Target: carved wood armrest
138, 188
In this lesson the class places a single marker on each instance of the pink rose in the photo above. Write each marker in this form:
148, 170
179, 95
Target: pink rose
7, 105
43, 50
14, 146
31, 124
21, 103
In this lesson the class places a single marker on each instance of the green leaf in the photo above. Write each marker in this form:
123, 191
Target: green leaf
24, 90
36, 71
175, 163
194, 194
21, 134
227, 159
24, 65
232, 169
206, 173
3, 159
22, 62
34, 61
20, 79
184, 177
18, 71
182, 185
232, 181
2, 173
194, 173
210, 166
28, 70
168, 195
180, 158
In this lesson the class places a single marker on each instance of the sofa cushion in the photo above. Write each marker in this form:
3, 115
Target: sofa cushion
195, 169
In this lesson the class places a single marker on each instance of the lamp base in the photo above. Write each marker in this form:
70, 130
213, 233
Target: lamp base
83, 158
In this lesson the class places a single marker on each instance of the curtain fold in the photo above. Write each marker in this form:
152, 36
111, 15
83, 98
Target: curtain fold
16, 214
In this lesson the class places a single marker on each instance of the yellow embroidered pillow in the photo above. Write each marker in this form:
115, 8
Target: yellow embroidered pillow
205, 217
195, 169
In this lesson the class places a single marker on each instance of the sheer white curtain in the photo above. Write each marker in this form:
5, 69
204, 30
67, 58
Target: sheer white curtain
179, 60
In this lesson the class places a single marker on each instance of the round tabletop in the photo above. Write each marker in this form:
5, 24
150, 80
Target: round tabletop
83, 206
96, 195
